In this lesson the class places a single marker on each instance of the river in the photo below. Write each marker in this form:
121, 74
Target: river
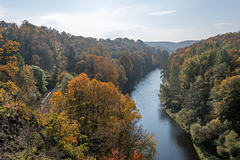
173, 142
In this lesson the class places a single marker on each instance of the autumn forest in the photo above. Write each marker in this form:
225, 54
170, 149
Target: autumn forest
200, 90
91, 115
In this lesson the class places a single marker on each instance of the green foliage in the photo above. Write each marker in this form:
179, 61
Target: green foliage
186, 118
229, 145
203, 82
63, 80
89, 116
228, 100
40, 77
27, 84
208, 133
56, 52
196, 133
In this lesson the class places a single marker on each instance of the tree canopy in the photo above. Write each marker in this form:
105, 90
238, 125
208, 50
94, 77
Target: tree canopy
201, 89
88, 117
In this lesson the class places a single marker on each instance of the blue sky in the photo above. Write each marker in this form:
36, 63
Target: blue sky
148, 20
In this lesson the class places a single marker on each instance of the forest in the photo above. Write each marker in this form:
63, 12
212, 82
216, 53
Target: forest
201, 90
91, 116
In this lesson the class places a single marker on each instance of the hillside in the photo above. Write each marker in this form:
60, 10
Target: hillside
89, 116
56, 52
170, 46
201, 90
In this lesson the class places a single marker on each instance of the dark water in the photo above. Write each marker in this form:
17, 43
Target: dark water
173, 142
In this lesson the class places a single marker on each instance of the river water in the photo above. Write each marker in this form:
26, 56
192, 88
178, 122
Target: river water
173, 142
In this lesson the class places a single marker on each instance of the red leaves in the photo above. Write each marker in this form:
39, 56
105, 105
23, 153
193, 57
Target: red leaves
116, 155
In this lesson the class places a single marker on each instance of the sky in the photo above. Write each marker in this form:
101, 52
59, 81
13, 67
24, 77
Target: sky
148, 20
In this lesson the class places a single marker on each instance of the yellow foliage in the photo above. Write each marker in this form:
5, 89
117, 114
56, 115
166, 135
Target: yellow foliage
10, 67
2, 95
97, 107
11, 46
130, 111
11, 86
57, 101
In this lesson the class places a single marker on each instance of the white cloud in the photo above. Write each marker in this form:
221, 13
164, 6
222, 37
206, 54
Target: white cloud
121, 9
222, 25
162, 13
193, 27
103, 12
124, 8
100, 24
103, 26
129, 31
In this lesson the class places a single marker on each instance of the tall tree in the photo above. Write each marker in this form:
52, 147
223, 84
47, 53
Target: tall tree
41, 78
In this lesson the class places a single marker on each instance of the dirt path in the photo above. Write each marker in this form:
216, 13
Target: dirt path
45, 101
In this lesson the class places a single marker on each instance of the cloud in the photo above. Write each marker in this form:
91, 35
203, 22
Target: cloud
2, 12
124, 8
193, 27
98, 24
119, 10
222, 25
130, 31
102, 26
103, 12
162, 13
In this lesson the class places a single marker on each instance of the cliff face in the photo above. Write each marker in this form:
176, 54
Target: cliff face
20, 140
11, 136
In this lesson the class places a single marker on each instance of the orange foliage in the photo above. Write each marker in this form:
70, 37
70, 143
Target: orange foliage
9, 68
99, 108
138, 156
11, 46
99, 97
116, 155
100, 68
187, 50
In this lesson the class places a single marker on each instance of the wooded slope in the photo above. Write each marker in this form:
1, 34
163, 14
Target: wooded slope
202, 88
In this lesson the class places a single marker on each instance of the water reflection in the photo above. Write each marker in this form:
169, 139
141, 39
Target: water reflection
182, 137
174, 143
162, 113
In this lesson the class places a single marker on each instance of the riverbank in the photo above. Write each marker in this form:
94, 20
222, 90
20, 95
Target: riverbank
202, 154
173, 142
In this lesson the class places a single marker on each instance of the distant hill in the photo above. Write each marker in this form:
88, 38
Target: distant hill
170, 46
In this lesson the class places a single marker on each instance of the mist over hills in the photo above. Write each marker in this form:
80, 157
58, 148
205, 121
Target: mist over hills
170, 46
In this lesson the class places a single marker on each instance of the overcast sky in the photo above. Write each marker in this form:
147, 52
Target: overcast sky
148, 20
